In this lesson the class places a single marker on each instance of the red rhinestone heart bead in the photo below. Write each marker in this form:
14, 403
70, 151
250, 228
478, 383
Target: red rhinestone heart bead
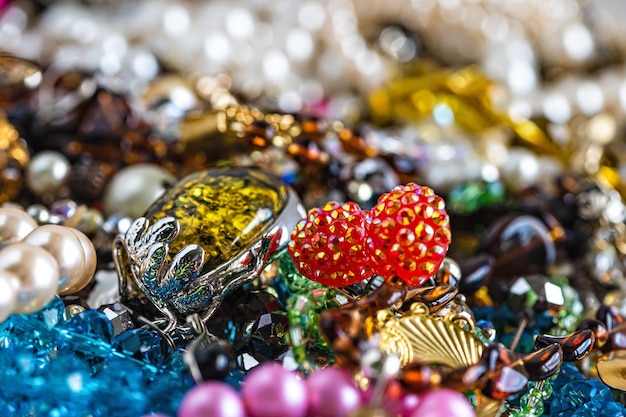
409, 233
328, 246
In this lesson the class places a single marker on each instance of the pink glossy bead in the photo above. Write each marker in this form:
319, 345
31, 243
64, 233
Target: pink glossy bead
398, 402
443, 403
271, 391
332, 393
211, 399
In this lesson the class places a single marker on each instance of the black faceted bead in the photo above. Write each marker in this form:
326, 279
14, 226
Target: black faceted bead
213, 361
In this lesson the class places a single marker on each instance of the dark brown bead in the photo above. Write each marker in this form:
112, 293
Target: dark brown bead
342, 329
313, 127
19, 78
418, 377
542, 363
464, 379
614, 323
575, 346
475, 273
598, 328
520, 245
435, 298
504, 375
392, 292
259, 134
88, 179
504, 383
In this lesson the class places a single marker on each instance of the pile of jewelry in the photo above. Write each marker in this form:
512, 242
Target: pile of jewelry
329, 208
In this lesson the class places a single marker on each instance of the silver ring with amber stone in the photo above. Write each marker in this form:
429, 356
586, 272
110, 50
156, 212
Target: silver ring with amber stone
212, 232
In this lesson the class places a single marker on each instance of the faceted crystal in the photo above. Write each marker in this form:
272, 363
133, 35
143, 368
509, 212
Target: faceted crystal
142, 345
267, 335
88, 332
119, 316
222, 210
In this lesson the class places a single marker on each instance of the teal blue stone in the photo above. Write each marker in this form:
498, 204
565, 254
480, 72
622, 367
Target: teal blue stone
14, 405
45, 319
89, 332
235, 378
595, 408
567, 374
122, 389
142, 345
577, 393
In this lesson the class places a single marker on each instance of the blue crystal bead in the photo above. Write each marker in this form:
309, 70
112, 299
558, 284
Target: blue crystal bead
45, 319
575, 396
596, 408
122, 389
142, 345
90, 333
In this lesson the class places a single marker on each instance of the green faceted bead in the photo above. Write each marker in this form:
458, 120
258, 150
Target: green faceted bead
547, 391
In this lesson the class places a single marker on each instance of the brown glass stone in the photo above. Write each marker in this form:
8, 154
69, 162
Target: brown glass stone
505, 375
343, 329
89, 177
598, 328
313, 127
435, 298
520, 244
259, 134
18, 77
615, 326
575, 346
475, 273
464, 379
418, 377
542, 363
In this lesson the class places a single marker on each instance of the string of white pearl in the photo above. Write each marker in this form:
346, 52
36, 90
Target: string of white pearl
289, 53
37, 262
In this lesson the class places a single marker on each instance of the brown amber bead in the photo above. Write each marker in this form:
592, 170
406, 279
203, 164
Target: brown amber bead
313, 127
435, 298
343, 330
520, 245
598, 328
18, 78
575, 346
475, 273
614, 323
464, 379
504, 376
418, 377
542, 363
259, 133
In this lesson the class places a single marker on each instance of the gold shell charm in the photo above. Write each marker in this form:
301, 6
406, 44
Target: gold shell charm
212, 232
441, 340
612, 369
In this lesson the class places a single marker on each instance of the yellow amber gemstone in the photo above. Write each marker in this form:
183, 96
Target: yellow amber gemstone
222, 210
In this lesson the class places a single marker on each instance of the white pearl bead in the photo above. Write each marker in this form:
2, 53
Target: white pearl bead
9, 289
134, 188
91, 261
47, 172
38, 274
67, 250
15, 224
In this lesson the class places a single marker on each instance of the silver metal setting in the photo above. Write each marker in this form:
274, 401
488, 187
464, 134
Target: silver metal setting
179, 287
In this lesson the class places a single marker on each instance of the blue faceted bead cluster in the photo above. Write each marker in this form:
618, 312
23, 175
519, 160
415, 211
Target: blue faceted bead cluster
54, 367
577, 396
